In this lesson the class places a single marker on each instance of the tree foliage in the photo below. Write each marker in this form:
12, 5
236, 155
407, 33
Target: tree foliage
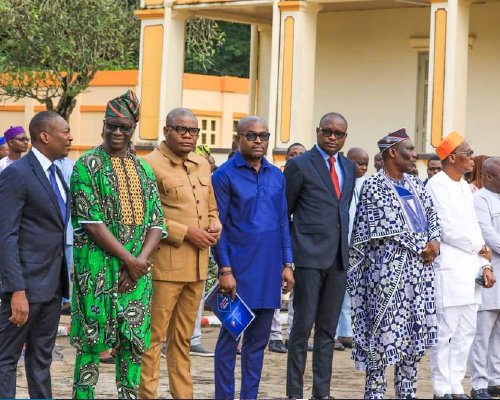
51, 49
226, 53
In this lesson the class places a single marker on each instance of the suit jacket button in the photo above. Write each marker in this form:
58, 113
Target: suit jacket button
338, 226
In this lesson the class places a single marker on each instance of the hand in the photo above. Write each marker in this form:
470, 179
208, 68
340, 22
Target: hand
488, 277
20, 308
227, 283
287, 280
430, 252
215, 231
124, 280
199, 238
137, 267
486, 253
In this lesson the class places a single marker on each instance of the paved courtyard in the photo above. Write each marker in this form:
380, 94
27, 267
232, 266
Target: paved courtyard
346, 383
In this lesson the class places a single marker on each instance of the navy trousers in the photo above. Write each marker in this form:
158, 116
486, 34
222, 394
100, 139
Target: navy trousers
255, 340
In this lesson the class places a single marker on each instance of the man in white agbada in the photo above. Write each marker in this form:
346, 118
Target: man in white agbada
484, 357
463, 257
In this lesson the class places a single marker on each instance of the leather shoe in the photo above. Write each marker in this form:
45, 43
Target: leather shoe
276, 346
338, 346
444, 396
459, 396
322, 397
345, 340
480, 394
494, 390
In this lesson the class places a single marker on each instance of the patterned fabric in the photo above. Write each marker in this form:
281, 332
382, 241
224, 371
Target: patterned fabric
391, 139
392, 293
122, 194
405, 380
124, 106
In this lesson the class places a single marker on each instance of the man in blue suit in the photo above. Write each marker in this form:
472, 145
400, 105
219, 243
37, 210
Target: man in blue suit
33, 274
319, 187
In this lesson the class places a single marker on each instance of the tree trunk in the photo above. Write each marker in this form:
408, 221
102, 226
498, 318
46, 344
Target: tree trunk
65, 106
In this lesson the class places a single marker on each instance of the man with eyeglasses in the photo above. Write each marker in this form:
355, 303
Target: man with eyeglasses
181, 260
17, 140
464, 257
319, 186
254, 254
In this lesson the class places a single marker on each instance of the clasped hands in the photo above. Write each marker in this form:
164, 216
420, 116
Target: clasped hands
430, 252
203, 239
131, 270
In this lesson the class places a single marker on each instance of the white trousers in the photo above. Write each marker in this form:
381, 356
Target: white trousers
456, 330
276, 333
484, 357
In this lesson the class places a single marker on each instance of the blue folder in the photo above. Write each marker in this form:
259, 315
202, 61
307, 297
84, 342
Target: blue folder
234, 315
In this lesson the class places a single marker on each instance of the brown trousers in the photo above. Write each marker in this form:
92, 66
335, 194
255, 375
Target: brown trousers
174, 307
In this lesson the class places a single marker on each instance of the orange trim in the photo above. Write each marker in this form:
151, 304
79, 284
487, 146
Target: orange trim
127, 77
150, 14
12, 107
153, 2
277, 158
238, 115
438, 76
287, 80
206, 113
39, 108
438, 1
216, 83
192, 2
290, 5
92, 108
81, 147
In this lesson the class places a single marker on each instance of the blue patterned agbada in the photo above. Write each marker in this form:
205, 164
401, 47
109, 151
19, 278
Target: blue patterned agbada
392, 292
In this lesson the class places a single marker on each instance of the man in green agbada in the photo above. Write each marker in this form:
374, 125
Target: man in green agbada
118, 222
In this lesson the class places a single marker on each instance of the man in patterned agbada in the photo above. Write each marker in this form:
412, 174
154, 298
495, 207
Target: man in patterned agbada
395, 240
118, 222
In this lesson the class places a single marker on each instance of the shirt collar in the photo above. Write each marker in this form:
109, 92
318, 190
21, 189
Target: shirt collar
44, 161
325, 155
174, 157
240, 161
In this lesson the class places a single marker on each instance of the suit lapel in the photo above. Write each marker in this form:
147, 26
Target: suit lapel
320, 166
42, 178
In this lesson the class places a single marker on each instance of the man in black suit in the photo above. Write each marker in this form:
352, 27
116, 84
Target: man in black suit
319, 190
33, 274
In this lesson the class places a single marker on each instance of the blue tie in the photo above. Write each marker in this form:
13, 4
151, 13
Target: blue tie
55, 187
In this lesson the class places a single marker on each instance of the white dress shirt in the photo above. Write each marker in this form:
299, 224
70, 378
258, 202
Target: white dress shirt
46, 163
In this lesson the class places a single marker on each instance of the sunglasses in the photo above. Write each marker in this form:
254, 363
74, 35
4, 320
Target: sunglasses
181, 130
22, 139
252, 136
123, 128
467, 153
326, 132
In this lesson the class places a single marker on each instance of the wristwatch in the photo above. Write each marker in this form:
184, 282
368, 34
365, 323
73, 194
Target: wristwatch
289, 265
487, 266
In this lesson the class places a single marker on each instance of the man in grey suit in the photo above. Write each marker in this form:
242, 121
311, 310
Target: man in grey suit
319, 190
33, 274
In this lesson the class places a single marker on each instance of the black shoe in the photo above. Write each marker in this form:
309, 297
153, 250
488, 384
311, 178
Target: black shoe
494, 390
322, 397
480, 394
66, 309
276, 346
338, 346
346, 341
459, 396
445, 396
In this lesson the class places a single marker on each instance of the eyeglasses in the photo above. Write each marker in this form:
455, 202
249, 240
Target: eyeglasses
22, 139
466, 153
326, 132
181, 130
123, 128
252, 136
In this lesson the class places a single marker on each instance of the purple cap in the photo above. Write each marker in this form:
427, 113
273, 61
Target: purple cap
12, 132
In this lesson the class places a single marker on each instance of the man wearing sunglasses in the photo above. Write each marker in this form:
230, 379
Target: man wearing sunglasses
463, 257
17, 140
181, 260
254, 254
319, 186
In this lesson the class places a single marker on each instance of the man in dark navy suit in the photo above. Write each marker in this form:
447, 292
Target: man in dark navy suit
319, 190
33, 274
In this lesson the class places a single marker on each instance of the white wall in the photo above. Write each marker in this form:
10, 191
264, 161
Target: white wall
367, 71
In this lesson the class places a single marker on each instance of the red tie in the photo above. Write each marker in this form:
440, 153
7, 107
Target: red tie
335, 177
